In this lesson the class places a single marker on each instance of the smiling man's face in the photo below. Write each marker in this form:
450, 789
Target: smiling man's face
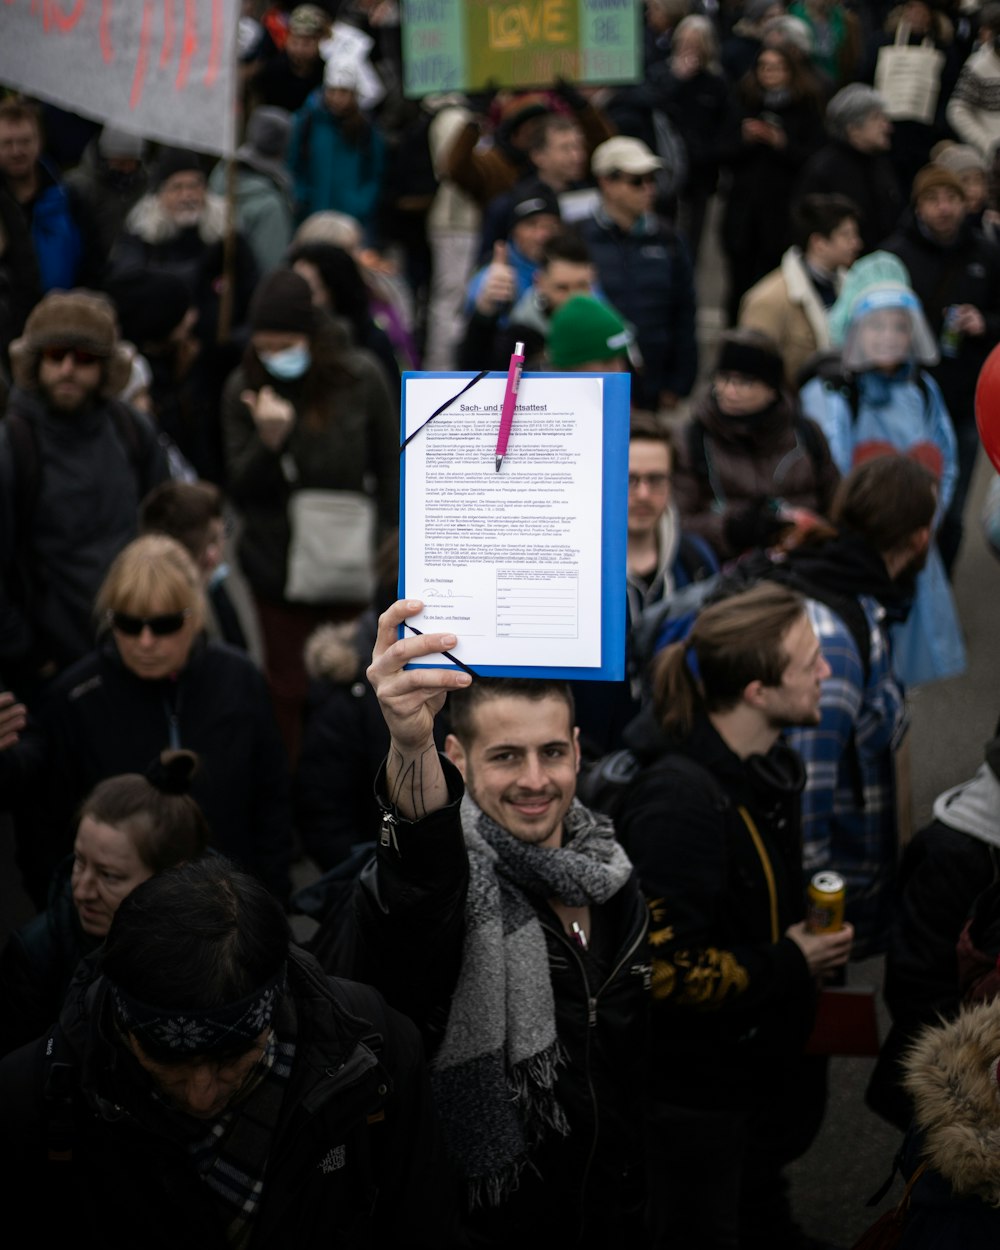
520, 765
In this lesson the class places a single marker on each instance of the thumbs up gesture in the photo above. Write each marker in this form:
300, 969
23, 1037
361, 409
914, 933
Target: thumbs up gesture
499, 285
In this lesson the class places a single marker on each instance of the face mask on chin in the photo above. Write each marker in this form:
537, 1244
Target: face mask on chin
288, 364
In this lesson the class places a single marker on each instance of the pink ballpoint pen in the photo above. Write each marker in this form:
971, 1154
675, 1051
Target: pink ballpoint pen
509, 401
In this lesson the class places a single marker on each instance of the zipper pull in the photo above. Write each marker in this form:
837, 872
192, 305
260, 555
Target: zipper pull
387, 836
591, 1012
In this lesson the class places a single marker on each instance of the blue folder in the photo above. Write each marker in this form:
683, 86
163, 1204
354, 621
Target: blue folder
617, 395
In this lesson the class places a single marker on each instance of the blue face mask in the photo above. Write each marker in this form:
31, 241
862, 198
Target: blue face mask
288, 364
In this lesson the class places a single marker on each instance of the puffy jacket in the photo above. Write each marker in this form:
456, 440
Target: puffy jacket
354, 1161
646, 275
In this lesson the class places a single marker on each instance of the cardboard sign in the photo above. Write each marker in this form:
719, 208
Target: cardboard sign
467, 45
164, 69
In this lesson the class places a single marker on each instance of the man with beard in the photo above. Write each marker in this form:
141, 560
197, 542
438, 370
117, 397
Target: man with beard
712, 825
74, 463
884, 513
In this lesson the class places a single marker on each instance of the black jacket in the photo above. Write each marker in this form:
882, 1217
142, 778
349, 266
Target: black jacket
966, 271
410, 927
647, 276
729, 989
55, 548
100, 719
354, 1161
866, 178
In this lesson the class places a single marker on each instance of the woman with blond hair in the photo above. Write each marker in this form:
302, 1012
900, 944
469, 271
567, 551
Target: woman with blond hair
155, 681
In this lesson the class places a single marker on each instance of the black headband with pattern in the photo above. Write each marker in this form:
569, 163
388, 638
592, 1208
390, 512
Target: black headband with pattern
202, 1031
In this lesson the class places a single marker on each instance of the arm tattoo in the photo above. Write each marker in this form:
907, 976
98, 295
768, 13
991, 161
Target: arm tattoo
406, 777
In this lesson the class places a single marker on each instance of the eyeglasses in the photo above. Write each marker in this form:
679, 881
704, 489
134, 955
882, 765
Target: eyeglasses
636, 180
159, 626
656, 482
58, 354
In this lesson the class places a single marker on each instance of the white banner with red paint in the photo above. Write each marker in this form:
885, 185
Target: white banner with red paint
164, 69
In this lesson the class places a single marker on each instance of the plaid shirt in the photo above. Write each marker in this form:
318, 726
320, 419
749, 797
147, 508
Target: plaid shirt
847, 756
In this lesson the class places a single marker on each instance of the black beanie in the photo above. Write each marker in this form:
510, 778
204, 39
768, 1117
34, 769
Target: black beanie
176, 161
283, 302
754, 357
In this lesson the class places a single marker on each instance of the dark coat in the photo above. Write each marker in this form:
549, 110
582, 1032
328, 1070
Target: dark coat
866, 178
56, 550
414, 903
647, 276
37, 965
357, 1094
755, 222
965, 272
100, 719
730, 991
745, 461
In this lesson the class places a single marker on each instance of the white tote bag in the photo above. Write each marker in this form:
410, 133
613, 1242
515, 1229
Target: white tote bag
331, 557
909, 78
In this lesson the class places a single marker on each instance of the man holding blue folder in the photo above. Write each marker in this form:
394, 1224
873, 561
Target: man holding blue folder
506, 920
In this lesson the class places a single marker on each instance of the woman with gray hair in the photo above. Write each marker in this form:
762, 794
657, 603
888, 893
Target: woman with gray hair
856, 163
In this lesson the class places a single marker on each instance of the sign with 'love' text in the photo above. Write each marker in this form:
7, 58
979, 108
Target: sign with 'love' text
468, 45
164, 69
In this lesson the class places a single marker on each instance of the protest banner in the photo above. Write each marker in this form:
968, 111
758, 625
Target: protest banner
164, 69
467, 45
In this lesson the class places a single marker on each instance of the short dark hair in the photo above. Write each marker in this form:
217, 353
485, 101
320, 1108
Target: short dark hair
462, 704
546, 126
15, 109
183, 511
645, 428
198, 936
565, 246
820, 214
885, 500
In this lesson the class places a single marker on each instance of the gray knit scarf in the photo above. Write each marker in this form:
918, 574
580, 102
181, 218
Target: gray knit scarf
495, 1072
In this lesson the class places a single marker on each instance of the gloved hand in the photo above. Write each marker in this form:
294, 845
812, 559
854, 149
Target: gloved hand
754, 524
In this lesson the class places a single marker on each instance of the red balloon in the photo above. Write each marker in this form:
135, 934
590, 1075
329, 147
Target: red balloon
988, 406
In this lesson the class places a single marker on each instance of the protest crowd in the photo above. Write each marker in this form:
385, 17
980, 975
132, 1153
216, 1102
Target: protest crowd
563, 979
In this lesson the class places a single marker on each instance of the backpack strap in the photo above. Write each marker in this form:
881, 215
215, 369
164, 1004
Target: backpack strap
59, 1085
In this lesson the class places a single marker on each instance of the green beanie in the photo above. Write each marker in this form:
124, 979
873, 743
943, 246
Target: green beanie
585, 330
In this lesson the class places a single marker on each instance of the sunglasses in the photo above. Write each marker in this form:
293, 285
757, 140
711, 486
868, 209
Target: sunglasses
159, 626
637, 180
80, 357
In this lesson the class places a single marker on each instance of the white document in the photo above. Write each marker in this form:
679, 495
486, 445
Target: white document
508, 561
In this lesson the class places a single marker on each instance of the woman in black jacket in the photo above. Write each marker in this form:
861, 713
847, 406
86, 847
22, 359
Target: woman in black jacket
774, 126
154, 681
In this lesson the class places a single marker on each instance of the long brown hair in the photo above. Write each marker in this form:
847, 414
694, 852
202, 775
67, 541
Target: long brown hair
734, 642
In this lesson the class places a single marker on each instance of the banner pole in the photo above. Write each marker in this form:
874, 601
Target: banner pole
227, 299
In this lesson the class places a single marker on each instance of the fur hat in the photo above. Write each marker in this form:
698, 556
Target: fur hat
933, 176
79, 318
283, 302
583, 331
